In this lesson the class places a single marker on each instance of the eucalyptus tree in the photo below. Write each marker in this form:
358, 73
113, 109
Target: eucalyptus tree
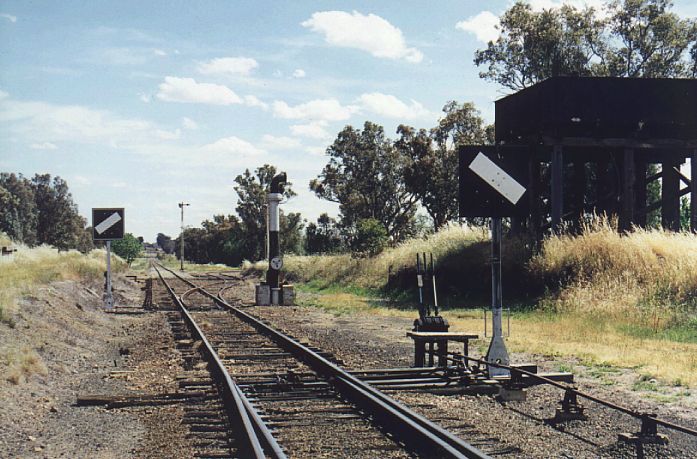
365, 176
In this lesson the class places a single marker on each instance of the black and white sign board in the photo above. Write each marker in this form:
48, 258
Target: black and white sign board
108, 224
493, 181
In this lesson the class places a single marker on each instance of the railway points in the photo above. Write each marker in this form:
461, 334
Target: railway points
252, 390
570, 202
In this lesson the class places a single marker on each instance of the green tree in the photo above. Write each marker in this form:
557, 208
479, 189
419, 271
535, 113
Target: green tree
639, 38
647, 40
85, 244
41, 211
533, 45
195, 249
165, 243
223, 240
323, 236
18, 212
59, 223
370, 238
431, 173
685, 213
290, 227
128, 248
365, 175
251, 208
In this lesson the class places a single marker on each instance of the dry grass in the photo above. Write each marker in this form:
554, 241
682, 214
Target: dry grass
374, 272
611, 299
21, 364
32, 267
645, 275
592, 341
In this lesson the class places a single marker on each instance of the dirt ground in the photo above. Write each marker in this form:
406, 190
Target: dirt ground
370, 341
87, 352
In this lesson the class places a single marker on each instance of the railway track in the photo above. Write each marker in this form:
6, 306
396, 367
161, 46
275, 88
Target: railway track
284, 398
313, 408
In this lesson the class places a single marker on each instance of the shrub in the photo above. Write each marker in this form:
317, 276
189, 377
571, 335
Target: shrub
370, 238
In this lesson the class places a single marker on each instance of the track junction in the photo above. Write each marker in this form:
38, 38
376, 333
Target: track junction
280, 397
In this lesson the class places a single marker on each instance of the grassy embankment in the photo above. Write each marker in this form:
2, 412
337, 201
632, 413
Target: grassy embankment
24, 272
608, 300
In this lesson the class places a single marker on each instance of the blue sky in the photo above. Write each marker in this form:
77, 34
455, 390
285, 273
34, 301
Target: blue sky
144, 104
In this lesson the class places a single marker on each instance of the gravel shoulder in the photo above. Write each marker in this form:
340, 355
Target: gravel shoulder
85, 351
88, 352
373, 341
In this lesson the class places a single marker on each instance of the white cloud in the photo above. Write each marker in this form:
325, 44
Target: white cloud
369, 33
146, 98
9, 17
314, 130
43, 146
168, 135
159, 52
316, 151
176, 89
228, 65
3, 94
318, 109
483, 26
298, 73
70, 123
279, 143
253, 101
233, 146
188, 90
391, 107
188, 123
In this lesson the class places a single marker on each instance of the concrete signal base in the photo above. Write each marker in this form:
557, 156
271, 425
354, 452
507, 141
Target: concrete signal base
266, 296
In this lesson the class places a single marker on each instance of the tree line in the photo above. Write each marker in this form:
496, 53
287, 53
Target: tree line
379, 183
41, 210
634, 39
230, 239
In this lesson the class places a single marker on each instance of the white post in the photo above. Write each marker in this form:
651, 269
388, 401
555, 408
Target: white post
497, 352
267, 233
108, 296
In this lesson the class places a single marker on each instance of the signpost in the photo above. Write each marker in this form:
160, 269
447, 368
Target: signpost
493, 182
181, 238
108, 224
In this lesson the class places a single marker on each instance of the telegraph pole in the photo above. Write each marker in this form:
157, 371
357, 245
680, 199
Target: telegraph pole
181, 238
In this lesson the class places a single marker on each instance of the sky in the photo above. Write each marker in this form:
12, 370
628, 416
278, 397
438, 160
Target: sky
146, 104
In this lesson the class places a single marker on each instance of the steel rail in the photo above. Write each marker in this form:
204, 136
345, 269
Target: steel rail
220, 292
238, 408
414, 430
588, 396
